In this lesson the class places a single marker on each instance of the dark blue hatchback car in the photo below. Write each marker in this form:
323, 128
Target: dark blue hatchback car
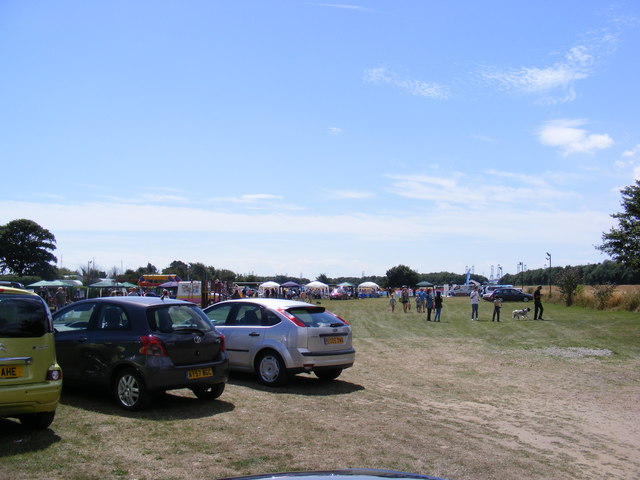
138, 346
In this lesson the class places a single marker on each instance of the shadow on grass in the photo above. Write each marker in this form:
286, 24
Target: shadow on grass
173, 405
16, 439
297, 385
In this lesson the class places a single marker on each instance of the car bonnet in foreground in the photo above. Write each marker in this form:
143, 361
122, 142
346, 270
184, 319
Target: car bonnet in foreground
347, 474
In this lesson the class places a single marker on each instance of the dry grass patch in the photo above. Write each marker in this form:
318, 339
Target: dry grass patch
460, 400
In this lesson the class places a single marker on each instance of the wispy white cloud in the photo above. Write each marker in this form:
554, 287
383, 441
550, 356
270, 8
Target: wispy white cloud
631, 157
565, 135
483, 138
556, 83
160, 198
490, 190
343, 6
632, 153
248, 198
334, 131
349, 194
381, 76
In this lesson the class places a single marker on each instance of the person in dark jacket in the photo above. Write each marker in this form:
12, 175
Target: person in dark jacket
537, 304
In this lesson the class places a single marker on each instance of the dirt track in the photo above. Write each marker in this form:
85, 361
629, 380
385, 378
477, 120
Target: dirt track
471, 413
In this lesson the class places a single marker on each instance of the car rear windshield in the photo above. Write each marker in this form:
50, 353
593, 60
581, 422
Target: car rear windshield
315, 317
176, 318
22, 316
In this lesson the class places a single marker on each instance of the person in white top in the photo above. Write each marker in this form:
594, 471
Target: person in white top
475, 298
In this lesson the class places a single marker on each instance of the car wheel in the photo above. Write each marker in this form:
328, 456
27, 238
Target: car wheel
271, 370
525, 299
130, 391
39, 420
328, 373
208, 392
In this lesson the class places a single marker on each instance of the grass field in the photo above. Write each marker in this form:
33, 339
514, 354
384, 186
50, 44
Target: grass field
457, 399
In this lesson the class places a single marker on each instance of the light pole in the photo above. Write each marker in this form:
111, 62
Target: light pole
548, 257
521, 267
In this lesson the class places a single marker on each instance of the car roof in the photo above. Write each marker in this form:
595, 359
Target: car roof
269, 302
136, 300
16, 291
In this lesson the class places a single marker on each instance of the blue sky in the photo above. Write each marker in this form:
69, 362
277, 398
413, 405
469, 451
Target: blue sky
309, 137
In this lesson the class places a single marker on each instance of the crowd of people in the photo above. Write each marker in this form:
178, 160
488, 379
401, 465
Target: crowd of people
430, 301
426, 299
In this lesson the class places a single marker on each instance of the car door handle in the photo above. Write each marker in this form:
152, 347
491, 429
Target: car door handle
83, 339
254, 334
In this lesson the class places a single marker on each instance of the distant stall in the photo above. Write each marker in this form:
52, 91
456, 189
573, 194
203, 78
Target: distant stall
316, 290
368, 290
268, 289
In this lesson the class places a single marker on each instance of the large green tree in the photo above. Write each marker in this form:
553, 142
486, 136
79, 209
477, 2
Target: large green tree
26, 248
178, 267
623, 242
402, 275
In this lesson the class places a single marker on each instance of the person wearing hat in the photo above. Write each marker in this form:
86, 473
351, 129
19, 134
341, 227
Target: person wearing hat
61, 298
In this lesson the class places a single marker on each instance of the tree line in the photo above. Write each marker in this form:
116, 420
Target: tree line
26, 252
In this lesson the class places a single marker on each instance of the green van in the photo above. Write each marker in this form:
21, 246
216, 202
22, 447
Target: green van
30, 377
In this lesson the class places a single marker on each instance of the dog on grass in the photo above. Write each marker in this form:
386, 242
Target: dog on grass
521, 314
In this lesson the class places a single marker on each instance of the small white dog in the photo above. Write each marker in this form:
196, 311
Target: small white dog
521, 314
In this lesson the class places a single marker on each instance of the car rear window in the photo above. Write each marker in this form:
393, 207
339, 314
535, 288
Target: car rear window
22, 316
178, 317
315, 317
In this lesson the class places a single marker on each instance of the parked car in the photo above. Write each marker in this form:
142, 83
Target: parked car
30, 377
508, 295
276, 338
489, 289
339, 294
138, 346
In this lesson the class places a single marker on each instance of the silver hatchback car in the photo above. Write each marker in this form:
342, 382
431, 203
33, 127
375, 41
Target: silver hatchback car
277, 338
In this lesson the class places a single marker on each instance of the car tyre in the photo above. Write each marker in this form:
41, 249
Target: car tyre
525, 299
328, 373
271, 369
130, 390
39, 421
208, 392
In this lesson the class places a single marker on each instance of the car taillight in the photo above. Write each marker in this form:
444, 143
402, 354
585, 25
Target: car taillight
291, 317
152, 346
222, 344
54, 374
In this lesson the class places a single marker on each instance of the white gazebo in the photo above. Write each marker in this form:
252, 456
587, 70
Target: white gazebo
368, 289
267, 286
317, 288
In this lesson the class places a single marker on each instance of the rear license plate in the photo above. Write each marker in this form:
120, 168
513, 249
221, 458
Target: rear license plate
11, 371
199, 373
333, 340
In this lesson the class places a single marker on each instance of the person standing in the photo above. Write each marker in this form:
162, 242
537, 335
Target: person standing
61, 298
404, 299
419, 295
475, 298
392, 301
437, 302
497, 305
537, 304
428, 299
